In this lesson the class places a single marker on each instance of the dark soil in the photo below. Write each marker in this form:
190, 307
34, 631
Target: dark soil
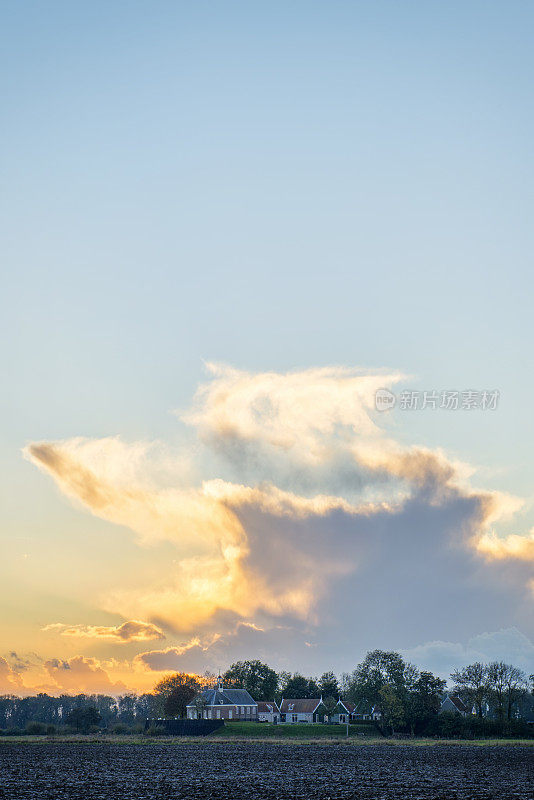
261, 771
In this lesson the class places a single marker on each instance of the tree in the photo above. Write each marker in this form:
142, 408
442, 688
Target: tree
496, 685
329, 686
410, 676
471, 682
145, 706
391, 708
298, 687
126, 707
423, 699
330, 703
516, 685
174, 692
175, 704
378, 669
506, 684
83, 718
260, 681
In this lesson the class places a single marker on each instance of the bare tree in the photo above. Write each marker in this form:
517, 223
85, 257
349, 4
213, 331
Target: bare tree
496, 679
516, 686
506, 683
471, 681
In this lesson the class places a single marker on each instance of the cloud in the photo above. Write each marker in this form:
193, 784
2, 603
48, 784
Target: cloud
219, 570
296, 412
213, 653
81, 675
75, 675
131, 631
360, 538
508, 547
10, 680
508, 644
190, 656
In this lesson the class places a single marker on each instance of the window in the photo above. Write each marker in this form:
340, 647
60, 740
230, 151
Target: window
294, 718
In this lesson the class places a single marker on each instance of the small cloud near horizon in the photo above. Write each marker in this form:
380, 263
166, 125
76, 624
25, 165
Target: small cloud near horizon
131, 631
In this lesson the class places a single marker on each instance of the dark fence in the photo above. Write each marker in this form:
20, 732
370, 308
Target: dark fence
186, 727
240, 718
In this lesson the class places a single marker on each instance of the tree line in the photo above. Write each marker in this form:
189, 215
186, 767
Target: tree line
408, 699
80, 713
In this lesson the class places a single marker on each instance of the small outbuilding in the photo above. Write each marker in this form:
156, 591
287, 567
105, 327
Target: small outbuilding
268, 712
451, 703
343, 712
367, 711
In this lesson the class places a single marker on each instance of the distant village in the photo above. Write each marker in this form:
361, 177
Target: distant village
382, 694
237, 704
227, 703
383, 690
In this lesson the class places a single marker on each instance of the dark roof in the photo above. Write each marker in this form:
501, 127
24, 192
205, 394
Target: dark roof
226, 697
239, 697
348, 705
363, 707
460, 705
300, 706
269, 707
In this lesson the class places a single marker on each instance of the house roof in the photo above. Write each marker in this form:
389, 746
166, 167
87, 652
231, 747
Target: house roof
267, 707
347, 705
300, 705
459, 704
224, 697
363, 707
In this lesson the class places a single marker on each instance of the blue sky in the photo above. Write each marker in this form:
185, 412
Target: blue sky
274, 186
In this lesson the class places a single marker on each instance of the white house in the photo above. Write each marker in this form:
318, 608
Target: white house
343, 712
303, 710
268, 712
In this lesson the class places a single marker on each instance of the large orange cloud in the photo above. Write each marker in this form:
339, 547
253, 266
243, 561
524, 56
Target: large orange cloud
250, 549
75, 675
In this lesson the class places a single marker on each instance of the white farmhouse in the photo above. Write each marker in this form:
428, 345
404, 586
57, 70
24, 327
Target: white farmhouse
303, 710
268, 712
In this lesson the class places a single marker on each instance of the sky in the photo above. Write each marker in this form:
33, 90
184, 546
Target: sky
225, 227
